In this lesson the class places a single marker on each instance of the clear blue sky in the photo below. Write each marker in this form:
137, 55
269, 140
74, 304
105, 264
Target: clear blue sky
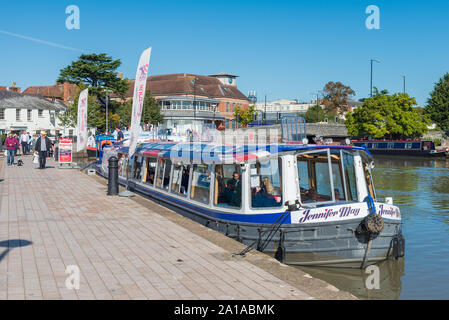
285, 49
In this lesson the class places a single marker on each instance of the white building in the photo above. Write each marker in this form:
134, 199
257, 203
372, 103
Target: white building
32, 113
283, 105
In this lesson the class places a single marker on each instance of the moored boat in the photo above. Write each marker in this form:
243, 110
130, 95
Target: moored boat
304, 204
403, 147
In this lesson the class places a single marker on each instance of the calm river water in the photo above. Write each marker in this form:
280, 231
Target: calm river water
420, 187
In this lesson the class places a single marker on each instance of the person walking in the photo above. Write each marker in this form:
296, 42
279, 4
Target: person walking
11, 144
24, 140
43, 146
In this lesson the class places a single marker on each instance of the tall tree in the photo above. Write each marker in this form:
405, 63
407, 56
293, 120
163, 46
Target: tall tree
438, 103
314, 114
243, 116
387, 116
151, 111
336, 96
97, 72
95, 117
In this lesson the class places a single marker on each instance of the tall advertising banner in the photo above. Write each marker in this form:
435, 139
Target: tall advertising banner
81, 125
138, 98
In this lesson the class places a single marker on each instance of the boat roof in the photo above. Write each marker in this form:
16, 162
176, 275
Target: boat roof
220, 153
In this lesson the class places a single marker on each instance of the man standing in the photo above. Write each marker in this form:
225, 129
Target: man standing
11, 144
120, 135
24, 140
29, 142
43, 145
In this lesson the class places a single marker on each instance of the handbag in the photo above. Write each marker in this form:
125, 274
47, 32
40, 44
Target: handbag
36, 159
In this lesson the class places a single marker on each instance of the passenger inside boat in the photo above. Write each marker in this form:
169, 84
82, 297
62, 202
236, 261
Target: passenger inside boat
228, 189
151, 170
266, 188
138, 167
337, 194
185, 180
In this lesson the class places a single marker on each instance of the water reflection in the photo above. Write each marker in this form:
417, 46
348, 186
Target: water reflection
420, 187
354, 280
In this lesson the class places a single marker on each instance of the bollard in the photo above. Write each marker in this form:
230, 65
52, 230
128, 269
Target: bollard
113, 176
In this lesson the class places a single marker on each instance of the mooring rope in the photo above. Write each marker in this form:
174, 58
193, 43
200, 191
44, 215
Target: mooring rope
272, 231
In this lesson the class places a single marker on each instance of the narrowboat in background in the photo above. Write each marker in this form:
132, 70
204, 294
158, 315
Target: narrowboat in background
301, 203
420, 148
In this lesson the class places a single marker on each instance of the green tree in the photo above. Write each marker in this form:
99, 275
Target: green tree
95, 117
151, 111
387, 116
438, 103
336, 96
315, 114
245, 117
97, 72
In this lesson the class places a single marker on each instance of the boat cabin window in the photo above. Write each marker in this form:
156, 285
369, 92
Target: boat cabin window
122, 165
151, 170
201, 183
180, 179
228, 185
319, 183
163, 173
314, 177
265, 183
137, 173
337, 176
351, 182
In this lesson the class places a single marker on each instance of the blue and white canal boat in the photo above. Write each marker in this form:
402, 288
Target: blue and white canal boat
304, 204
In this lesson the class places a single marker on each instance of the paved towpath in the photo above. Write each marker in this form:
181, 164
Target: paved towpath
54, 218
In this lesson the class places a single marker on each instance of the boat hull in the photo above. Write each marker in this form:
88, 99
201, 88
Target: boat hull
416, 153
318, 244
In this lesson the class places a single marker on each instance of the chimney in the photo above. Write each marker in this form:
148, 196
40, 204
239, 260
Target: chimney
14, 88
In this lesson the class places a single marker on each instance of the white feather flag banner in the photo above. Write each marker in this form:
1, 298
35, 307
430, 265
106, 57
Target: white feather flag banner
138, 99
81, 125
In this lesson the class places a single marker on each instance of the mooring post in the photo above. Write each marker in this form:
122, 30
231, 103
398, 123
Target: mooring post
113, 176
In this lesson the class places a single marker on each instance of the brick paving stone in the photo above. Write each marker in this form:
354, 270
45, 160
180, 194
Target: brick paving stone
123, 250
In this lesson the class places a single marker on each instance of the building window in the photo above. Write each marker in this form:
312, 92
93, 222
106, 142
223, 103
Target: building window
17, 114
29, 114
227, 123
227, 106
71, 132
233, 107
2, 114
40, 113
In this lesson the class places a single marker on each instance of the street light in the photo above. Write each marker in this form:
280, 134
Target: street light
317, 103
371, 86
404, 83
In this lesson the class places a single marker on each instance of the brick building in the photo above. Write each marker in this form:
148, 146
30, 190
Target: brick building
188, 100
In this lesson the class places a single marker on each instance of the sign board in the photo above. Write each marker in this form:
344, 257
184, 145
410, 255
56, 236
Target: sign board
65, 150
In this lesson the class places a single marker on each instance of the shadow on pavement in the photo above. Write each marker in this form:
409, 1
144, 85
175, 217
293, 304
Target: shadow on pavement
10, 244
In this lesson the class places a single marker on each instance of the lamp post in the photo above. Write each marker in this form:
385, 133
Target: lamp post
404, 82
317, 102
265, 112
371, 82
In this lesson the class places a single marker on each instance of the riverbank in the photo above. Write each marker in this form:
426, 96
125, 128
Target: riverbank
125, 248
